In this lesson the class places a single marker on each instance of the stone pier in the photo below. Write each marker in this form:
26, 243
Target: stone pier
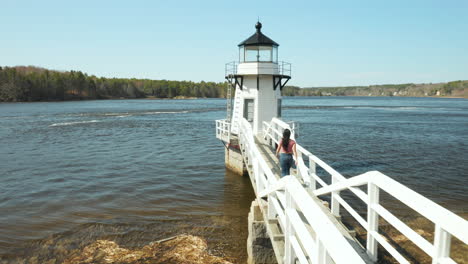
259, 247
233, 158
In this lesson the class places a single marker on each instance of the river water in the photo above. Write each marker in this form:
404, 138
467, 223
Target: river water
134, 171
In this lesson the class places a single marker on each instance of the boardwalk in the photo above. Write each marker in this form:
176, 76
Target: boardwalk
304, 229
273, 225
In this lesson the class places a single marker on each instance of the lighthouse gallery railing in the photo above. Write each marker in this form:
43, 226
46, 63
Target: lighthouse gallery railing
284, 68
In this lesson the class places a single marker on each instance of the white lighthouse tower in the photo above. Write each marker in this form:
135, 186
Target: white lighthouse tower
257, 78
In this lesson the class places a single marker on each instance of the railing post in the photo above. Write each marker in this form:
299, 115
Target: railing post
272, 135
372, 220
298, 171
276, 130
288, 250
320, 253
260, 176
256, 172
335, 205
441, 244
229, 132
271, 208
271, 212
293, 130
312, 171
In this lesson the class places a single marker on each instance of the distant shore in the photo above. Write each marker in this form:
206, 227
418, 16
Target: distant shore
34, 84
454, 89
196, 98
176, 98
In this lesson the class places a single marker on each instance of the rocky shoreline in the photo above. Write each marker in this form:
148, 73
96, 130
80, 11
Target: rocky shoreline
185, 249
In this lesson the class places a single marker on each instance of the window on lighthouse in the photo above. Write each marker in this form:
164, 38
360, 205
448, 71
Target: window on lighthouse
251, 54
258, 54
264, 54
274, 53
249, 109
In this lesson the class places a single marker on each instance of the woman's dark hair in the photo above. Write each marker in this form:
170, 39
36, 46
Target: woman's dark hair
285, 142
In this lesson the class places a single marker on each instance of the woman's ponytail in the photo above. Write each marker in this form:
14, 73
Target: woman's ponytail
285, 141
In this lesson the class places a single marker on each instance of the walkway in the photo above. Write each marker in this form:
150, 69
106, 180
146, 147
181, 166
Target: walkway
304, 229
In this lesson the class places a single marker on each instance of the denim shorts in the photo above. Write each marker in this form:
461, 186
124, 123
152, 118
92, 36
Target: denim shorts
286, 162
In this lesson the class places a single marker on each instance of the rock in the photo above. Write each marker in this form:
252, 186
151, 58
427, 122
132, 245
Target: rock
259, 247
181, 249
51, 261
33, 260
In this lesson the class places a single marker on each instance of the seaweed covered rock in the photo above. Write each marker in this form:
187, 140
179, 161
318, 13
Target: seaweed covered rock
184, 249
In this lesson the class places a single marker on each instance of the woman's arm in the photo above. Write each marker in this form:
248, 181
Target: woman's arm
278, 148
295, 152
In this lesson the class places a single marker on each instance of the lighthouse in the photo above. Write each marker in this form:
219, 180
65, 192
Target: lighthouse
258, 78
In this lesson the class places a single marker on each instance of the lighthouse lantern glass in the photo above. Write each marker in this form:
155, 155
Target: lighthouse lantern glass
251, 54
258, 54
265, 53
241, 54
275, 54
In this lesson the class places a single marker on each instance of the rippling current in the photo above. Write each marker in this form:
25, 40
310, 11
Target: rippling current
135, 171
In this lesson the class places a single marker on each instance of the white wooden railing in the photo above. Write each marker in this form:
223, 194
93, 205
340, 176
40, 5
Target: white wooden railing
223, 130
447, 224
316, 238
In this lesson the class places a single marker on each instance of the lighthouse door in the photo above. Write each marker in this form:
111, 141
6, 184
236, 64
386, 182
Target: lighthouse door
249, 110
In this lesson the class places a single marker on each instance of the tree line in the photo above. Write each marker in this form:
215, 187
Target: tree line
455, 88
28, 83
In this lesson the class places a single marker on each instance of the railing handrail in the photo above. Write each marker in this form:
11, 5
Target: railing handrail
337, 245
251, 140
287, 204
449, 221
331, 240
446, 222
284, 68
223, 130
304, 151
230, 68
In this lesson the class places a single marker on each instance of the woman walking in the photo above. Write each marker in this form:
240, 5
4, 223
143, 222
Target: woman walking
286, 148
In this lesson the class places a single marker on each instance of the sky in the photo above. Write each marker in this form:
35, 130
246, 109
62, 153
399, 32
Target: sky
328, 43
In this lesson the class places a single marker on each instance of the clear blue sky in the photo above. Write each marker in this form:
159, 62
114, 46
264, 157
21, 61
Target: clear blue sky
328, 42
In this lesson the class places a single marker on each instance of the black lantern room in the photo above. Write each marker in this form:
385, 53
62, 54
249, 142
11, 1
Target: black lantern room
258, 48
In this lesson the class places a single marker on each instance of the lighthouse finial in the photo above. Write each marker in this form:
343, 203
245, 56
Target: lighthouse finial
258, 26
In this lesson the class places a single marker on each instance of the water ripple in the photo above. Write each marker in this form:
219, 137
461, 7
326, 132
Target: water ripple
78, 171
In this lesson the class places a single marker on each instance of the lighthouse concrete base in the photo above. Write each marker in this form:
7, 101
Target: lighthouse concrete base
234, 161
259, 247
